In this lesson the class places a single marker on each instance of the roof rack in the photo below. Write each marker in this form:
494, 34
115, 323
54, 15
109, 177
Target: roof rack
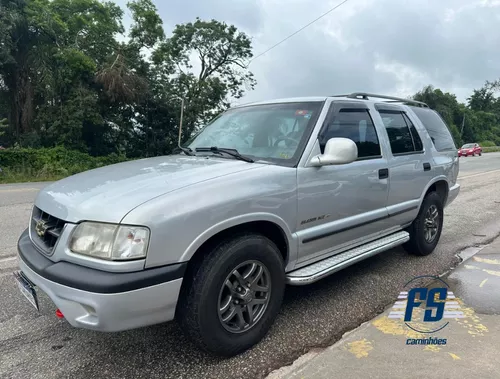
392, 99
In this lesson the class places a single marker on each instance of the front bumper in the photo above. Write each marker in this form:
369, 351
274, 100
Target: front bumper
103, 301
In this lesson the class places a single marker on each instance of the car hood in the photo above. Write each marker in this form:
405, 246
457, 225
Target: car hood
108, 193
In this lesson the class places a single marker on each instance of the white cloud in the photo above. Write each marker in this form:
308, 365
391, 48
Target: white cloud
385, 46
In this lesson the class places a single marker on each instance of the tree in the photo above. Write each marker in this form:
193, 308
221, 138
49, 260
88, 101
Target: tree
65, 79
3, 126
447, 106
147, 27
476, 121
17, 42
482, 99
221, 52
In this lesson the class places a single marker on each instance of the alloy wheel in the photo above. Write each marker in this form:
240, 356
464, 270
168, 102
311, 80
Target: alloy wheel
431, 224
244, 296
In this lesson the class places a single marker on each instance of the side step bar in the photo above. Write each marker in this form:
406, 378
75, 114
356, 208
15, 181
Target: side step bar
319, 270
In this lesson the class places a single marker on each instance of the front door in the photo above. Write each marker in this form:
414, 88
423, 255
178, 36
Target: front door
342, 205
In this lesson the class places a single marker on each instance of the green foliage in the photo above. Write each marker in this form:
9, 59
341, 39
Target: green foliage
66, 79
21, 164
3, 126
492, 149
147, 29
487, 144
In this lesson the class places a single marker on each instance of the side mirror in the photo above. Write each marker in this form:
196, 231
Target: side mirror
337, 151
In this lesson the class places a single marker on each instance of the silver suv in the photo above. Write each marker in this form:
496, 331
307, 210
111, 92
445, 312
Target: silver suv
267, 194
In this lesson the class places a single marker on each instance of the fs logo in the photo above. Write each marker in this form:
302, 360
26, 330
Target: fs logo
439, 303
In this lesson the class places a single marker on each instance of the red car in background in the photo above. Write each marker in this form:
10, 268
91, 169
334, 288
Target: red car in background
471, 149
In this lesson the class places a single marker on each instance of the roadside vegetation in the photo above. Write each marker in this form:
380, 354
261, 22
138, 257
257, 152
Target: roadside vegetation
72, 76
47, 164
79, 90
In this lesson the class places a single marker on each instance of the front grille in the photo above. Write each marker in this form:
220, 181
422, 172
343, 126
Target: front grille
45, 230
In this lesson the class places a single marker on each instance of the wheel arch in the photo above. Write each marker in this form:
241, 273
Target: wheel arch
270, 226
440, 186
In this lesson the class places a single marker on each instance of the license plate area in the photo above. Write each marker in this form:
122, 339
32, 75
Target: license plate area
27, 289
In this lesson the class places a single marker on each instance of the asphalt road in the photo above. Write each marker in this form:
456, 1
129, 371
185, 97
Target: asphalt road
36, 345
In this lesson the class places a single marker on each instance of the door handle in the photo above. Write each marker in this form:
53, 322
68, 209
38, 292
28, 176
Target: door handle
383, 173
427, 166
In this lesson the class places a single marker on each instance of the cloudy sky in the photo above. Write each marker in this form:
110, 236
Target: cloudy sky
386, 46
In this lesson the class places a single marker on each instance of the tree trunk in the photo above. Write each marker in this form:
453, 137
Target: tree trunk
22, 104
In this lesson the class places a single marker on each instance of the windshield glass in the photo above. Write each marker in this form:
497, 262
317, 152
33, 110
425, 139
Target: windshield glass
271, 132
468, 146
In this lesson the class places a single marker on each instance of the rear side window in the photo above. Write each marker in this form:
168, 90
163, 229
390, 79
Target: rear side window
419, 146
437, 129
403, 136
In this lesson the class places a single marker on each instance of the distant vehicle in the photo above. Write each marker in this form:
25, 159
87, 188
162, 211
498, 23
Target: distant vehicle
279, 192
471, 149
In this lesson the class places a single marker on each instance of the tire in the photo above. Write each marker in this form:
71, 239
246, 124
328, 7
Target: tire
418, 244
480, 154
205, 293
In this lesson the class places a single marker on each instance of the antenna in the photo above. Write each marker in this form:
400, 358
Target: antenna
186, 150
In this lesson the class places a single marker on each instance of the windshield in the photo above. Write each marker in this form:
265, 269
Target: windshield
271, 132
468, 146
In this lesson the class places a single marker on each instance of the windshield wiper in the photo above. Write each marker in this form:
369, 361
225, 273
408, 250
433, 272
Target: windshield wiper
232, 152
186, 150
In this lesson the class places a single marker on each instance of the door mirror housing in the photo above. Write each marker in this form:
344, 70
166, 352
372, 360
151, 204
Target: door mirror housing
337, 151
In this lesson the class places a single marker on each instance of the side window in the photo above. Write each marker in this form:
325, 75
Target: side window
357, 125
400, 137
417, 141
437, 129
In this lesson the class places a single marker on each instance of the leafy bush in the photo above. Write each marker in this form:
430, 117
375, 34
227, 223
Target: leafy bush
487, 144
491, 149
19, 164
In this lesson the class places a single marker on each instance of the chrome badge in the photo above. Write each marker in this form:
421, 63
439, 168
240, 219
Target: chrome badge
41, 228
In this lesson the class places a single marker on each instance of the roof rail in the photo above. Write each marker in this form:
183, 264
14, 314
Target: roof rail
364, 96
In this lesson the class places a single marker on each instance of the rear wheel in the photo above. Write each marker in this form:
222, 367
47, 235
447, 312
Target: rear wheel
425, 230
234, 295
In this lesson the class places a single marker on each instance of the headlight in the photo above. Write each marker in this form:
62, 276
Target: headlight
108, 241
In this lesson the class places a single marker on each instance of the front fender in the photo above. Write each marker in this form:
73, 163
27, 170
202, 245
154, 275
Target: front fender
239, 220
181, 221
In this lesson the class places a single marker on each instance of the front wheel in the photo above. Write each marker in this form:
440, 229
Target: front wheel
233, 295
425, 230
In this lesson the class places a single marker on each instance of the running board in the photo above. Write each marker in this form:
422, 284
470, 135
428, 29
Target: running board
319, 270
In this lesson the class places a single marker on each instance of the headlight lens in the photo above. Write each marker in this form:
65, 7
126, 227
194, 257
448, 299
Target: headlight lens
108, 241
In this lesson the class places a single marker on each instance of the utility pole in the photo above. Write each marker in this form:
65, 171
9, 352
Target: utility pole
180, 123
463, 123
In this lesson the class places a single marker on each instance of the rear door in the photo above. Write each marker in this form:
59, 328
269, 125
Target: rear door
444, 154
410, 165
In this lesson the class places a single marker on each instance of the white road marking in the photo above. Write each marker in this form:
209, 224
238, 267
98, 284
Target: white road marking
478, 174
